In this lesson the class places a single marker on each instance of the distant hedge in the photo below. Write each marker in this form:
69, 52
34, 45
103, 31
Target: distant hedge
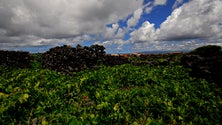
15, 59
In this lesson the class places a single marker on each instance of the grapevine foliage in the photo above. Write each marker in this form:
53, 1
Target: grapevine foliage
153, 89
123, 94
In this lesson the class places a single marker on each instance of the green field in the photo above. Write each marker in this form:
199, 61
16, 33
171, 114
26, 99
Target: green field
125, 94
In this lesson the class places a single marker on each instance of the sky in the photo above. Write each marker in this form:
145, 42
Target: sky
121, 26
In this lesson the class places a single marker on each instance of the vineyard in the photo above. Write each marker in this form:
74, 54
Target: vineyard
62, 86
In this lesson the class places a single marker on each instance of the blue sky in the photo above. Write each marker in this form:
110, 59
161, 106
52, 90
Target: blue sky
122, 26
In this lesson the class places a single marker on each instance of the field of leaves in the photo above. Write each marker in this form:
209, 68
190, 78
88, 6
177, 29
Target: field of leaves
123, 94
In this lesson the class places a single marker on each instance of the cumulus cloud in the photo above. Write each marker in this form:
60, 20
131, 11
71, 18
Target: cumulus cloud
111, 31
55, 22
177, 3
120, 33
148, 9
58, 19
185, 45
135, 18
198, 20
144, 34
115, 32
114, 45
160, 2
191, 25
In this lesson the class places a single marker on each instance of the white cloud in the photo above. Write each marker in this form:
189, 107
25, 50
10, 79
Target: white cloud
114, 32
194, 24
54, 22
160, 2
177, 3
145, 34
114, 45
196, 19
35, 41
135, 18
185, 45
111, 31
120, 34
148, 9
58, 19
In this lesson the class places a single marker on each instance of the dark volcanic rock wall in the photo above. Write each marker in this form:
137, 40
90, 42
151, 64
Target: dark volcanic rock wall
15, 59
115, 60
67, 59
205, 62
